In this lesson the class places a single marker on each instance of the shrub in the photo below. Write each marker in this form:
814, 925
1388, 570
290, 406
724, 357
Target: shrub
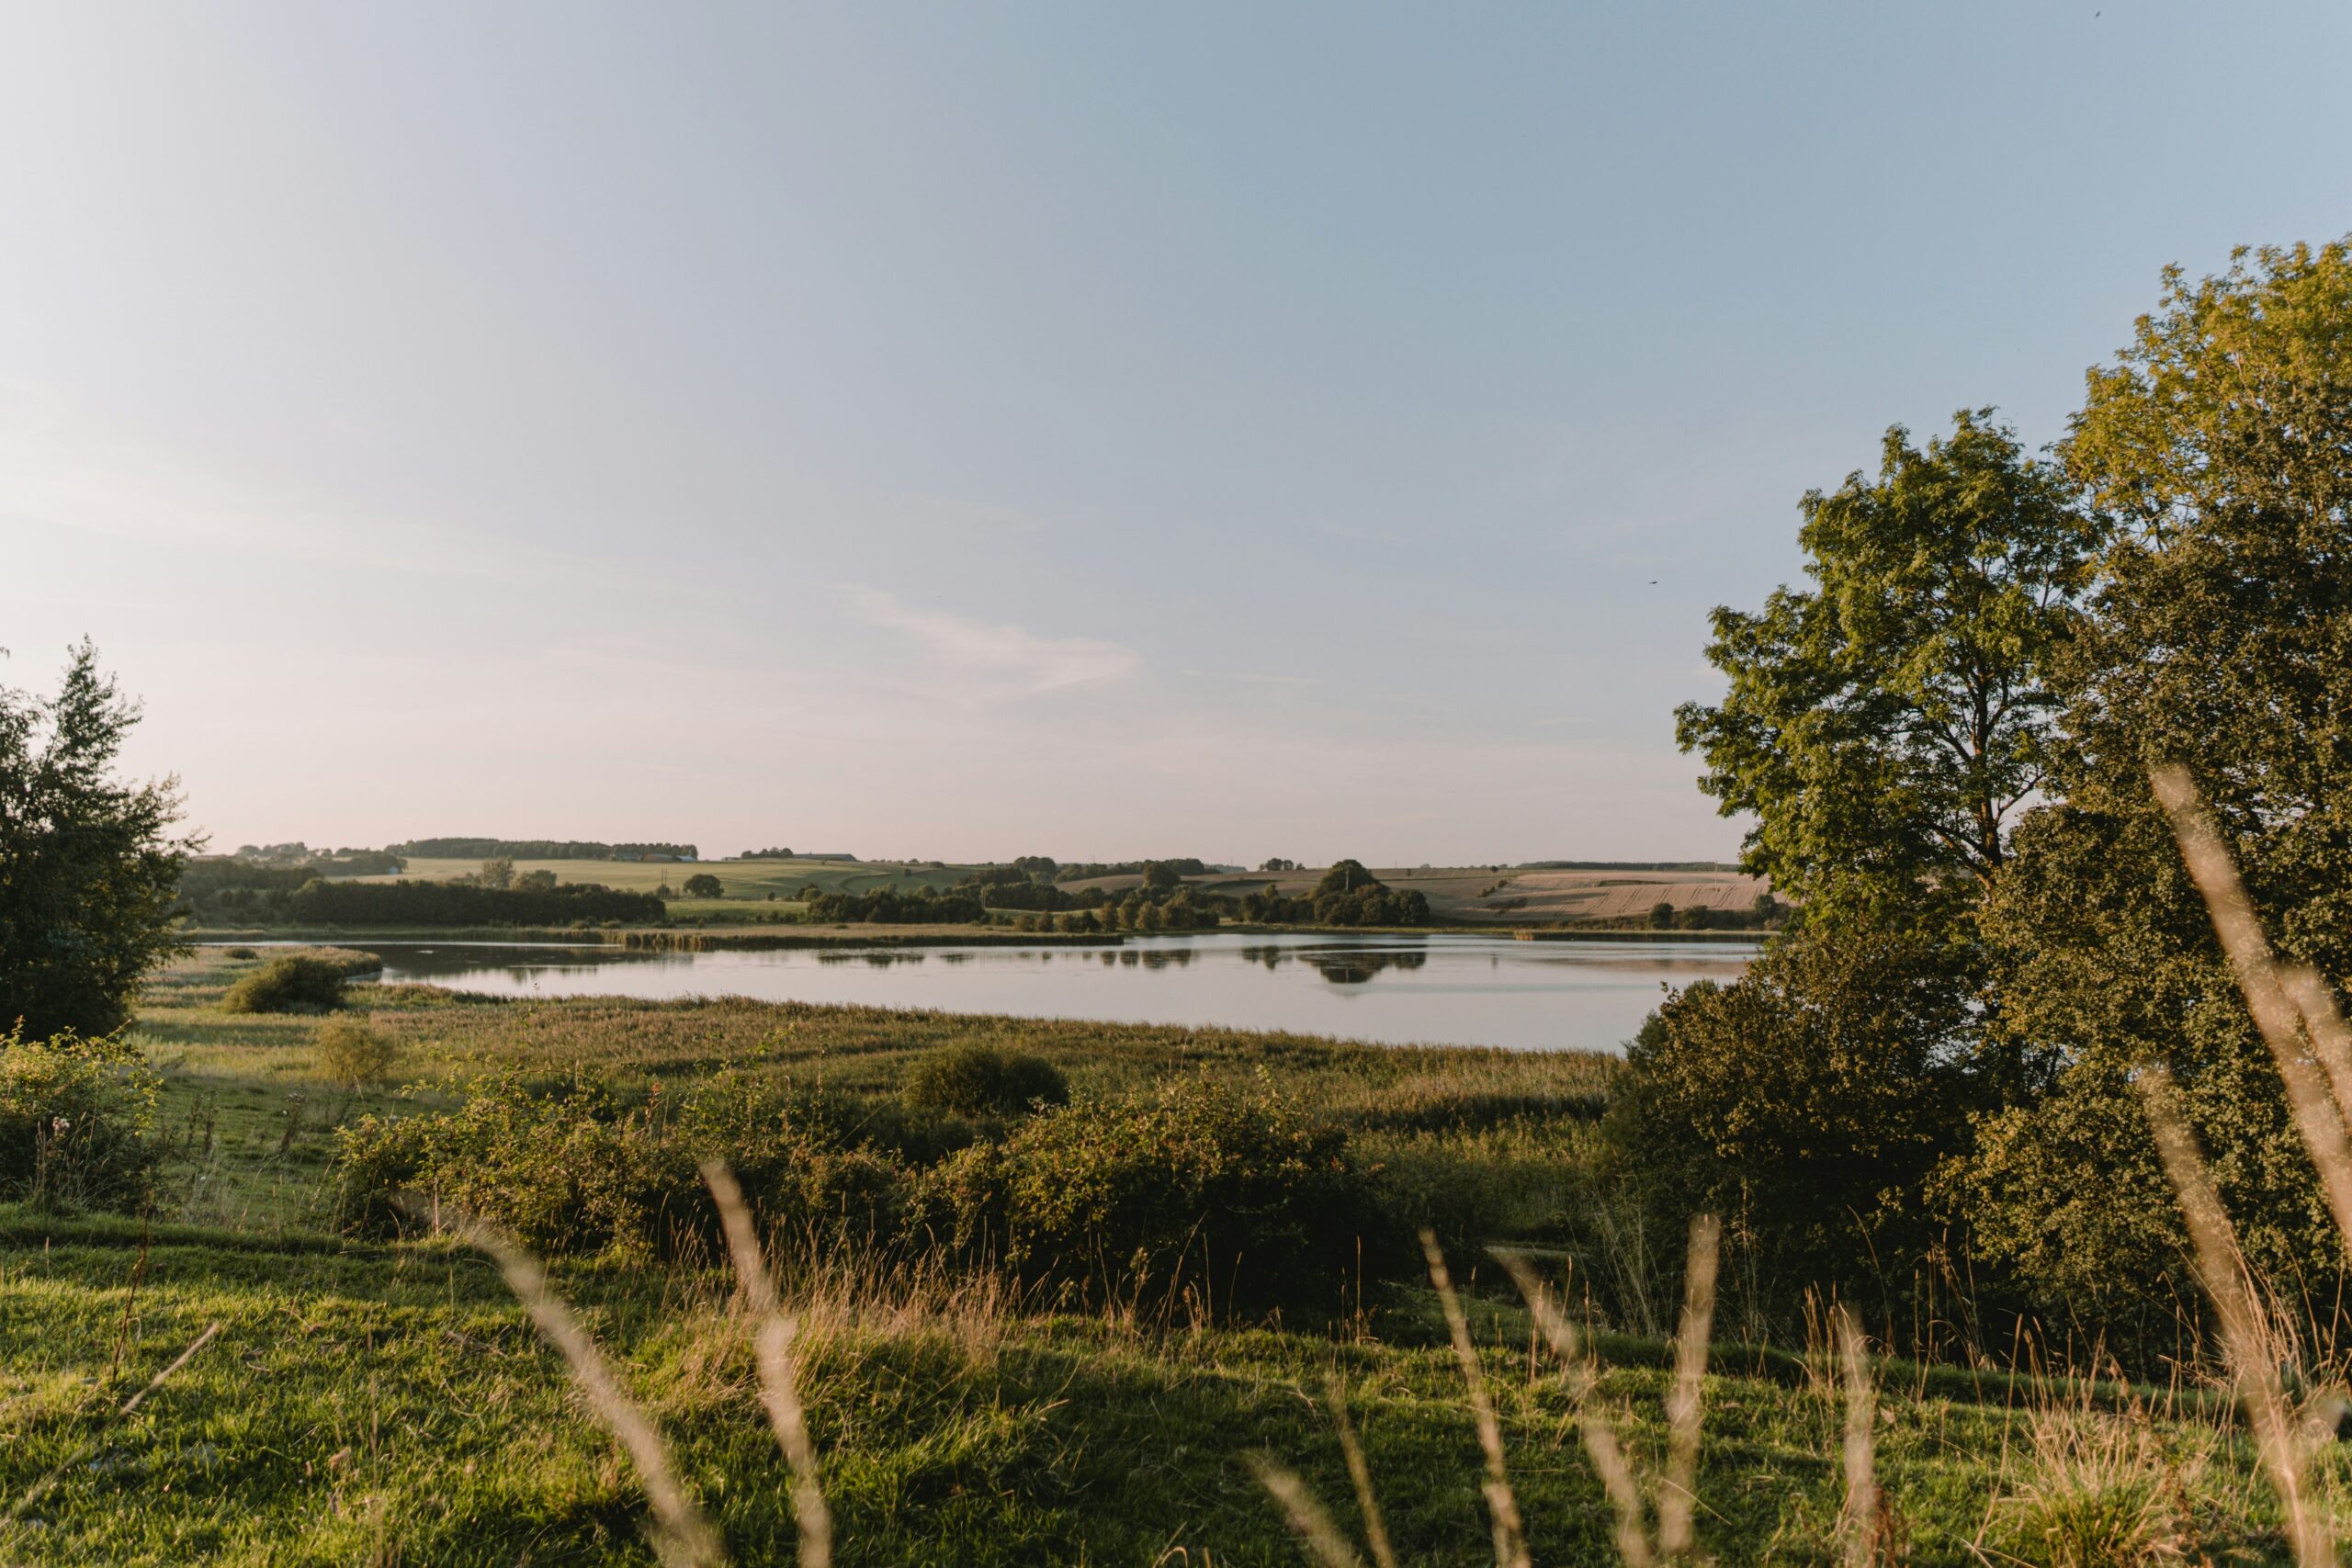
1198, 1189
980, 1080
566, 1173
1809, 1103
298, 982
575, 1171
240, 953
76, 1116
702, 885
352, 1055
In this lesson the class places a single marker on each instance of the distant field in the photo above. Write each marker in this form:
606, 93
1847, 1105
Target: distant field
1472, 893
1469, 894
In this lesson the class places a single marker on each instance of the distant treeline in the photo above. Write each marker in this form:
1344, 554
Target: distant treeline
539, 849
889, 905
237, 888
1088, 870
465, 904
1348, 896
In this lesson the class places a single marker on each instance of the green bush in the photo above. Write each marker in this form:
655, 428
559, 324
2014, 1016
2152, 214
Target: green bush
288, 984
566, 1172
75, 1115
576, 1171
351, 1055
980, 1080
1198, 1190
1809, 1104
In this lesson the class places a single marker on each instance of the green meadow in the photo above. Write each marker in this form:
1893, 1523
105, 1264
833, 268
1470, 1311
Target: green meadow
389, 1402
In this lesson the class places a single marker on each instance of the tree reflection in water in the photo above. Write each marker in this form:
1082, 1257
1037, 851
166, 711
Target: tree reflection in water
1353, 966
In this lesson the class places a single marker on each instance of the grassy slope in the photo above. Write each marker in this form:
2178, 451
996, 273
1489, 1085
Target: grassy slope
358, 1396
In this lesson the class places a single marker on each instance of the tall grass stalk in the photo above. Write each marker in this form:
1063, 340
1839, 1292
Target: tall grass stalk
1686, 1406
2277, 1006
1677, 1489
1308, 1519
1502, 1504
2320, 1110
1864, 1506
779, 1384
1578, 1374
681, 1534
2246, 1338
1375, 1529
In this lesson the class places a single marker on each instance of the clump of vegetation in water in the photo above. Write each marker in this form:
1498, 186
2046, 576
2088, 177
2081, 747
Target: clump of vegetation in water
311, 980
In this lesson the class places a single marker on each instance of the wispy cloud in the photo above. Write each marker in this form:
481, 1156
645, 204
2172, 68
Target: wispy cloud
998, 661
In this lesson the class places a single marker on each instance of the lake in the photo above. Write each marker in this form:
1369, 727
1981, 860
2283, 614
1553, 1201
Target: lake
1462, 990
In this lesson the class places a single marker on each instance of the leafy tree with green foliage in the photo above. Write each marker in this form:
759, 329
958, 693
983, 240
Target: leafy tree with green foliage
1884, 726
2218, 450
1345, 876
702, 885
89, 866
497, 872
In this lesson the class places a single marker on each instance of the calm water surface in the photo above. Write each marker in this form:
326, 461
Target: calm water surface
1467, 990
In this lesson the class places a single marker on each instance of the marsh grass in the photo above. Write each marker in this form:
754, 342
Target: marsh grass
2101, 1490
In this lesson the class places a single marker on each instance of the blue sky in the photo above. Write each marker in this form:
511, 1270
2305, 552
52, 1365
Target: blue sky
972, 431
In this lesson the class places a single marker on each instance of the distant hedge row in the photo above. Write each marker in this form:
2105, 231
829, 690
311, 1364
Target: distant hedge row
461, 904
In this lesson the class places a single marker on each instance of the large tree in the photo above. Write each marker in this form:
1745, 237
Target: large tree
89, 866
1883, 726
2218, 636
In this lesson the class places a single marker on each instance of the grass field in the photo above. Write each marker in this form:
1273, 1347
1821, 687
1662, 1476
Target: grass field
391, 1404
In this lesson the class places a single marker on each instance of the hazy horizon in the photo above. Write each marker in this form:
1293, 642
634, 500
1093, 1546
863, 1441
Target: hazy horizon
959, 434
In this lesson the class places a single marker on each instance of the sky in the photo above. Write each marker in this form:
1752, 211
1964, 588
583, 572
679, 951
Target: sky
1097, 431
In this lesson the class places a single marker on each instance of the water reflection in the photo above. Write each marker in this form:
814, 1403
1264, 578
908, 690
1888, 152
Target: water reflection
1344, 966
1465, 989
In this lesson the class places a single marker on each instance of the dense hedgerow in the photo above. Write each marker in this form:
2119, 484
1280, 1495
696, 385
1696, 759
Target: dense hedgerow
577, 1170
75, 1115
1234, 1198
408, 902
